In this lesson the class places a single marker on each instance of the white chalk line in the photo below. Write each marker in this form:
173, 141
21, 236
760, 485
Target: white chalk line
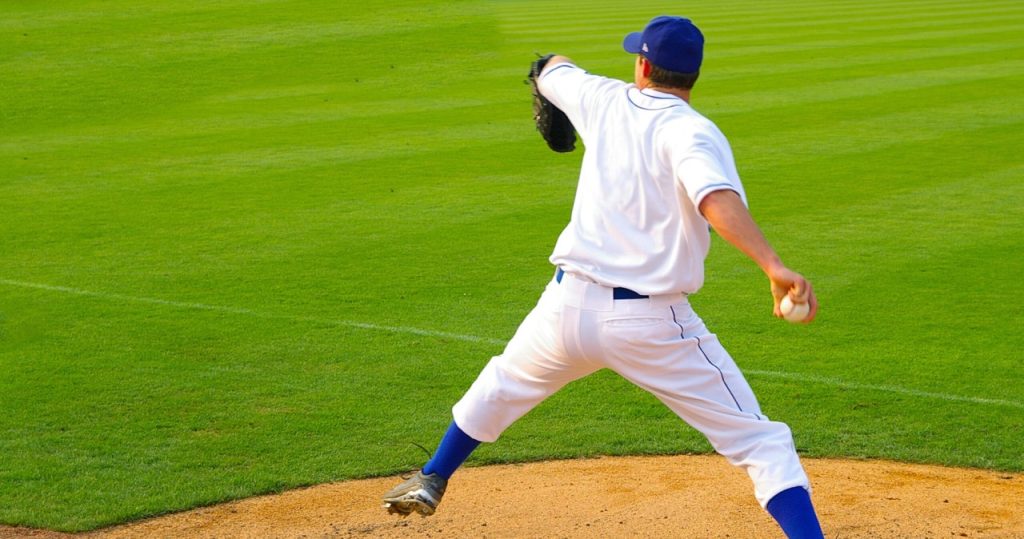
807, 378
250, 312
835, 382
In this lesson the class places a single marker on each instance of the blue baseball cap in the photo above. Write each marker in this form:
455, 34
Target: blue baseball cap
671, 43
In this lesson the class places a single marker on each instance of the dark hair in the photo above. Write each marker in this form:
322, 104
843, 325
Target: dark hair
672, 79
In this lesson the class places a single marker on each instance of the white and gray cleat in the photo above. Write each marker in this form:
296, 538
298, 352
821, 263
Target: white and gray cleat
420, 493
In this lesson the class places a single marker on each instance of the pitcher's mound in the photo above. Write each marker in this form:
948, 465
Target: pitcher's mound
678, 496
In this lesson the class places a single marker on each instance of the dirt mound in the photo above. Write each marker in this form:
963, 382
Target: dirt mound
679, 496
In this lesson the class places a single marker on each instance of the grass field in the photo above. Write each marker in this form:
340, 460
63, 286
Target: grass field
248, 246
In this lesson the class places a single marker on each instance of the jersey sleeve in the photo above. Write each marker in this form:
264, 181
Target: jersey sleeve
577, 93
703, 164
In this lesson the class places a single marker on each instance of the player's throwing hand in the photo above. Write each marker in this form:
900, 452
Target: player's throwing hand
788, 282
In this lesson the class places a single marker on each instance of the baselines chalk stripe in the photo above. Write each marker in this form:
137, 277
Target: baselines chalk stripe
250, 312
807, 378
835, 382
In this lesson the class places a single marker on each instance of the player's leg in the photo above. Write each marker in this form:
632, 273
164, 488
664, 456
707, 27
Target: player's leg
530, 368
455, 448
533, 366
685, 366
537, 362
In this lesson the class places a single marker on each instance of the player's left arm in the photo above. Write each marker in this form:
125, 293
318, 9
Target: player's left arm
555, 60
574, 91
728, 215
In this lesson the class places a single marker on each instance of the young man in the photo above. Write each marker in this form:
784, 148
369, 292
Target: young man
654, 176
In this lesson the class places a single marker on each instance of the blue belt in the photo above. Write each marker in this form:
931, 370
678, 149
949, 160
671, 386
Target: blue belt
617, 292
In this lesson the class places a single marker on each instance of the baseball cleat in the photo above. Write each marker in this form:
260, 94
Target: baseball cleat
420, 493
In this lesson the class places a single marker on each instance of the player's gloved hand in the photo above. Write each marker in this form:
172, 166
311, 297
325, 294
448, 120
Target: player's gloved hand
788, 282
552, 123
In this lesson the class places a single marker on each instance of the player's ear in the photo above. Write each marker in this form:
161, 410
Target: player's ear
641, 71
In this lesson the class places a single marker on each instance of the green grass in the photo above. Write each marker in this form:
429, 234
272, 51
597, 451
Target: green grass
224, 224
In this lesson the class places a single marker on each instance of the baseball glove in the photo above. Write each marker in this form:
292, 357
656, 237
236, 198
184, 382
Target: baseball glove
552, 123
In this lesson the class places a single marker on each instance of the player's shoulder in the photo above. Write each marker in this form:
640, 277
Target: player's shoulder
685, 118
684, 127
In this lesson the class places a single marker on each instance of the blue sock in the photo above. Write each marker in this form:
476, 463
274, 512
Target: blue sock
454, 450
792, 509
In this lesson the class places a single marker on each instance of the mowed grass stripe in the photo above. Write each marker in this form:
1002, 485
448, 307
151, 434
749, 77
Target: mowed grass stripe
111, 51
794, 91
74, 13
941, 216
841, 62
752, 28
211, 120
890, 19
753, 18
846, 139
208, 120
272, 154
528, 14
277, 23
793, 43
141, 175
914, 156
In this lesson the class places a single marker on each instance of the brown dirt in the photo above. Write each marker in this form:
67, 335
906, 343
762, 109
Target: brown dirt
679, 496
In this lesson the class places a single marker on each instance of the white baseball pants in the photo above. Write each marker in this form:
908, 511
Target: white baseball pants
657, 343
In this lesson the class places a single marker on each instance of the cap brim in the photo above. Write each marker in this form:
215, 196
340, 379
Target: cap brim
633, 42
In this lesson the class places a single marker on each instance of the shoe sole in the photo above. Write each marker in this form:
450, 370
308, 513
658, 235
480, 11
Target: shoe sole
406, 507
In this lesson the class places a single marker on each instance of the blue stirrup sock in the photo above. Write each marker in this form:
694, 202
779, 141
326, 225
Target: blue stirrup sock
793, 510
454, 450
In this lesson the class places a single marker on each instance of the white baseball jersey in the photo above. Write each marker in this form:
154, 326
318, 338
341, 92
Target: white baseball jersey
635, 222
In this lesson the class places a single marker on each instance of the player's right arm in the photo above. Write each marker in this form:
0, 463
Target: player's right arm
725, 211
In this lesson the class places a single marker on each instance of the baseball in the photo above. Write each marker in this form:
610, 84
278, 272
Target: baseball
794, 312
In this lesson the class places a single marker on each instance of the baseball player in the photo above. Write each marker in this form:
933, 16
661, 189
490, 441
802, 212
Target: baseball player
655, 175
